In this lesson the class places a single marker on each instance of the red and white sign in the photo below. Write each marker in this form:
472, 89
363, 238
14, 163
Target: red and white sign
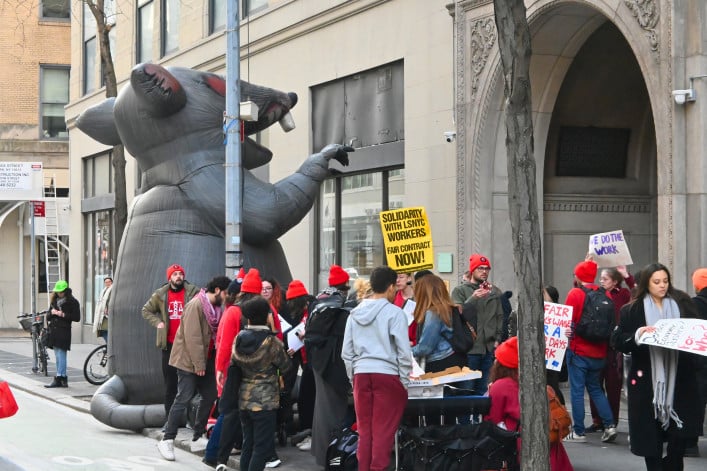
38, 208
687, 335
558, 317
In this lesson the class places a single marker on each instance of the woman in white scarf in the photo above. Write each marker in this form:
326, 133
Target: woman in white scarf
661, 386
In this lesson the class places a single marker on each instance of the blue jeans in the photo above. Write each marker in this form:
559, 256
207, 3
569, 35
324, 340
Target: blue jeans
584, 373
482, 362
212, 446
60, 354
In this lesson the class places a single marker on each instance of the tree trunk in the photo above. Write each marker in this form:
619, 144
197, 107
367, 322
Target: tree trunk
103, 28
514, 44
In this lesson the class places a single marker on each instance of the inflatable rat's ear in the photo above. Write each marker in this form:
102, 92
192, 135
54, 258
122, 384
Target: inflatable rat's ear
98, 123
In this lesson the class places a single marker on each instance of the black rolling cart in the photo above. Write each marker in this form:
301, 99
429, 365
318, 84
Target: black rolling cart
477, 446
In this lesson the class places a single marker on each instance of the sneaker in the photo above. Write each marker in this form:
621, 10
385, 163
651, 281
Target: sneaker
273, 462
222, 467
609, 434
306, 444
166, 449
594, 428
199, 444
573, 437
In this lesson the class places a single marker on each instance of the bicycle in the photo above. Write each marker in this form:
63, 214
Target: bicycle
95, 368
35, 324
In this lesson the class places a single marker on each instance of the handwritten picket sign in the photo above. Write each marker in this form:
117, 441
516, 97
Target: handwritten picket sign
609, 249
686, 335
558, 317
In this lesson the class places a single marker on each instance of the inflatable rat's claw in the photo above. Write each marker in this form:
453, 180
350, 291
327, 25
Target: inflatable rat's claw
337, 152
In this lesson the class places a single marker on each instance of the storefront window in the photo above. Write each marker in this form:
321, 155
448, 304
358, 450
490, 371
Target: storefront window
99, 259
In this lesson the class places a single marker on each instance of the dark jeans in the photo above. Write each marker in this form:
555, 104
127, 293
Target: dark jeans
187, 386
481, 362
231, 431
169, 373
211, 453
305, 400
258, 443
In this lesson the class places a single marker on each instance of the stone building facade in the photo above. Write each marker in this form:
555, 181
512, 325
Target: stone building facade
614, 150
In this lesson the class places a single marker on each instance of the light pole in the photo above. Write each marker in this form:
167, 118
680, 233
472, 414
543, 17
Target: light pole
232, 128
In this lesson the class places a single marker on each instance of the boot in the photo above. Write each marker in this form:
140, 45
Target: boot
64, 381
56, 383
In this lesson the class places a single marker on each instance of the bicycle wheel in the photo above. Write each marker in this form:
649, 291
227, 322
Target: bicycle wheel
43, 358
35, 351
95, 368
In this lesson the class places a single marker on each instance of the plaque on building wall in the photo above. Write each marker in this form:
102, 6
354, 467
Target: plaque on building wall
592, 152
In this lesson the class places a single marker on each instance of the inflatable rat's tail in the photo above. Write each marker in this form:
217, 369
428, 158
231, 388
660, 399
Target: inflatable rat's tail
107, 407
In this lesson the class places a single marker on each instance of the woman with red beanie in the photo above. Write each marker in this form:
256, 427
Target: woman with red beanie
505, 401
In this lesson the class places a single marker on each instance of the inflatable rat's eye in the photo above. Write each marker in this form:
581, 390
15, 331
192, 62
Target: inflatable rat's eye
216, 84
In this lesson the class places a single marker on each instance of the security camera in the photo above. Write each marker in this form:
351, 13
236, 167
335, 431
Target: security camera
450, 136
682, 96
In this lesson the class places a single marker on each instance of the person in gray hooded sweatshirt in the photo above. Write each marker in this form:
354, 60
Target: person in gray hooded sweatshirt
378, 361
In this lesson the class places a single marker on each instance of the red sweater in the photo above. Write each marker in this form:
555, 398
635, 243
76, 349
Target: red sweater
228, 328
578, 345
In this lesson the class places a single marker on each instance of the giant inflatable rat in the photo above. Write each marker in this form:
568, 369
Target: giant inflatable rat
171, 121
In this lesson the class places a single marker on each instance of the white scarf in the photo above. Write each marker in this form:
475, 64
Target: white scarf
664, 364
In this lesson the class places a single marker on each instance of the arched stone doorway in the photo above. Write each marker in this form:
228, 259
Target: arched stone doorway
588, 87
600, 157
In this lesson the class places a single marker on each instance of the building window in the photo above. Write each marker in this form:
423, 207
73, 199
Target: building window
217, 15
56, 9
253, 6
364, 110
54, 92
98, 242
109, 8
170, 26
98, 175
145, 23
350, 233
89, 50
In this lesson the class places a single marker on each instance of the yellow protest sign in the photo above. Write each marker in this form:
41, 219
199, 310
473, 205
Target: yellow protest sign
407, 239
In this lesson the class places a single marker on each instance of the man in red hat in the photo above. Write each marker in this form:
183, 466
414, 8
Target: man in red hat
486, 300
585, 360
164, 312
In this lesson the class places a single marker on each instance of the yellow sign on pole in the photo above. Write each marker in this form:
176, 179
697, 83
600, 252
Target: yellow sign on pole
407, 239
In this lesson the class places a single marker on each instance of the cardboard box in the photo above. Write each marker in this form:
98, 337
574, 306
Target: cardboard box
434, 387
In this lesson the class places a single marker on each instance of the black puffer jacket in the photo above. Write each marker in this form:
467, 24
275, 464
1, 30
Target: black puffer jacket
60, 327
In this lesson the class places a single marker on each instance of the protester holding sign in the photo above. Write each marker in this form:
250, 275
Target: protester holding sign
612, 376
663, 399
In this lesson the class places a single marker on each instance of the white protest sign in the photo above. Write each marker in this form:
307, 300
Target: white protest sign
558, 317
609, 249
686, 335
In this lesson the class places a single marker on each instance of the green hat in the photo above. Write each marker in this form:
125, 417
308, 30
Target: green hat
60, 286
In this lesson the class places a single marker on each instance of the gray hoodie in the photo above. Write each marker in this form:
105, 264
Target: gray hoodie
376, 340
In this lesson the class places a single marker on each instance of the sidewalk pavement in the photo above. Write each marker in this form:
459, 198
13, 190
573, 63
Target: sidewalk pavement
16, 369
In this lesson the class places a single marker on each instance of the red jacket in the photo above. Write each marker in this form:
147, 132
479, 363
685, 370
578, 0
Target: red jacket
578, 345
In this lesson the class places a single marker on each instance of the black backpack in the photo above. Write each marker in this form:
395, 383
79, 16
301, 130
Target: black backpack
598, 316
463, 330
341, 453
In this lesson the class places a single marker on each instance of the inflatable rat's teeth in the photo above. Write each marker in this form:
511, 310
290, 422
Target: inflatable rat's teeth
287, 122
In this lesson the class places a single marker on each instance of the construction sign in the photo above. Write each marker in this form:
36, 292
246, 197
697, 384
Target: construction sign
407, 239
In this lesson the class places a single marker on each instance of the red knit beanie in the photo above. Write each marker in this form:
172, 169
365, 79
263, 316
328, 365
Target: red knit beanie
507, 353
477, 260
295, 290
586, 271
337, 276
699, 279
252, 282
239, 277
176, 267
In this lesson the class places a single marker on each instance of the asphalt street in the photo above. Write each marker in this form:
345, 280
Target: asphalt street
15, 368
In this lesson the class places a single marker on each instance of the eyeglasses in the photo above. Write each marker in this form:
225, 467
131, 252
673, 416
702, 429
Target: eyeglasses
484, 268
267, 288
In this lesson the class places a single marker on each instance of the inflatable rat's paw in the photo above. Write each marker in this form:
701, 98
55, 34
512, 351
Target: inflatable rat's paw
337, 152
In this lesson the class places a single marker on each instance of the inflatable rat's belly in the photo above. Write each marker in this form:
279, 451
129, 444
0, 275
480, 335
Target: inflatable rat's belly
163, 228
